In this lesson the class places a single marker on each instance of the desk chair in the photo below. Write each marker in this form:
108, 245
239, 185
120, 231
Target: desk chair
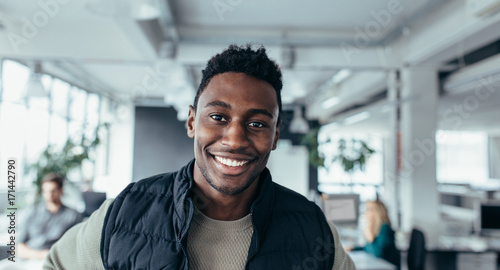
93, 201
416, 251
3, 252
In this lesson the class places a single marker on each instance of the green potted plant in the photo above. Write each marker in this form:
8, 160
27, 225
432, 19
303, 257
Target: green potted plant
351, 155
63, 160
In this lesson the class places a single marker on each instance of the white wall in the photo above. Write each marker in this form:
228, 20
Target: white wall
289, 167
116, 173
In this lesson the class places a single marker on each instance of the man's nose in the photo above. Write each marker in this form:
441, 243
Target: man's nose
236, 136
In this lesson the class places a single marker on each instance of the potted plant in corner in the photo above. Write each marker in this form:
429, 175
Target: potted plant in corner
64, 160
351, 155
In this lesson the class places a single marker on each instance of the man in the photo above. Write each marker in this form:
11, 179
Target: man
47, 222
222, 210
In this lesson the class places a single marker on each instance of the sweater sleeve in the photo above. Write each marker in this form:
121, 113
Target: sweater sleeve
79, 247
342, 260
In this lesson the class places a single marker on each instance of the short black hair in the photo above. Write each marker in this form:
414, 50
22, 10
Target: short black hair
243, 59
54, 177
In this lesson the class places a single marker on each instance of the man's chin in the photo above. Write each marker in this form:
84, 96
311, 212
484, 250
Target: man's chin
230, 190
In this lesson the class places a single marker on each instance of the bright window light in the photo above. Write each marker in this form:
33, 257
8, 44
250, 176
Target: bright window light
461, 156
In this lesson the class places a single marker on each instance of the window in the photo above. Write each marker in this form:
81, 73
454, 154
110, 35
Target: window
461, 156
30, 125
335, 180
59, 95
14, 77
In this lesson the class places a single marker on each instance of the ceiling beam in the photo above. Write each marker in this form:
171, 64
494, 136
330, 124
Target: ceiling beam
137, 37
358, 88
139, 33
305, 57
449, 33
167, 21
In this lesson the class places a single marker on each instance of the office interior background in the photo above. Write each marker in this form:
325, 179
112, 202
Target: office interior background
417, 81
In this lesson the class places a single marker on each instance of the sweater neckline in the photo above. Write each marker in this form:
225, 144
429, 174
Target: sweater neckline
238, 225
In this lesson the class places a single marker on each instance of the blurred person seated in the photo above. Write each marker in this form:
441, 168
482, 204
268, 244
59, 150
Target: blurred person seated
47, 221
379, 234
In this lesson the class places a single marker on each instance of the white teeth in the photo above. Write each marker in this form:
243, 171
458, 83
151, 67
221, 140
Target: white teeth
231, 162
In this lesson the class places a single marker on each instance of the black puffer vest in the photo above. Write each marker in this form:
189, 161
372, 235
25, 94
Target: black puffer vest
146, 227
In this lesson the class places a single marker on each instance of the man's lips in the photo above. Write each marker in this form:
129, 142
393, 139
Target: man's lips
231, 162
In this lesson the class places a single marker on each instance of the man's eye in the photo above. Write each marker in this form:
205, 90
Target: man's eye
217, 117
256, 125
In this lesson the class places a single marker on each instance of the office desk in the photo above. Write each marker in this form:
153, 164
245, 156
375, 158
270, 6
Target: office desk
366, 261
459, 253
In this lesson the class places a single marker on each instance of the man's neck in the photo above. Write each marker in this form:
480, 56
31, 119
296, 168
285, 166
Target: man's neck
53, 207
220, 206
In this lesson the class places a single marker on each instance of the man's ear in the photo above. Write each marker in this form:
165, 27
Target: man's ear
190, 122
276, 135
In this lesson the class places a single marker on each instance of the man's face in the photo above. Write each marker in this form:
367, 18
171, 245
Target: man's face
51, 192
234, 129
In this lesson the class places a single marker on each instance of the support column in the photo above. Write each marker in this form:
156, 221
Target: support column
390, 196
419, 196
494, 156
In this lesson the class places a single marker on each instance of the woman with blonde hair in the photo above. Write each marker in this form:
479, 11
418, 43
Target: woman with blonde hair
379, 234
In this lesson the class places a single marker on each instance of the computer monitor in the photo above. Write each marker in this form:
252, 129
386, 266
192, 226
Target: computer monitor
490, 219
342, 209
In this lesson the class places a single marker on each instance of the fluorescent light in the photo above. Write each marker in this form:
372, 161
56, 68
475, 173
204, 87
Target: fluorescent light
145, 10
330, 102
341, 75
356, 118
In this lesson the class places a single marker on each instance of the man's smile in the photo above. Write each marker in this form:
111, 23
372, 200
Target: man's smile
231, 162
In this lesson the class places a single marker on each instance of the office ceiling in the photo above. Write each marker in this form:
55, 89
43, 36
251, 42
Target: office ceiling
100, 45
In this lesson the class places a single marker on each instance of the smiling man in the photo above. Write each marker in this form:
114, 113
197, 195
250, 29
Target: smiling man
222, 210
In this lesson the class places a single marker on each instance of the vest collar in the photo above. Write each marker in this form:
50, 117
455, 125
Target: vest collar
260, 209
182, 186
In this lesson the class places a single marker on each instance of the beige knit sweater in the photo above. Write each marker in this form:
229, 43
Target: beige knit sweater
212, 244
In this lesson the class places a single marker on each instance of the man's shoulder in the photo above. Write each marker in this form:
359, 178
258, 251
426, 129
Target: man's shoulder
68, 211
157, 178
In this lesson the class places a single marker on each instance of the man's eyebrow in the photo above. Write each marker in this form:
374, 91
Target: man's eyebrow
218, 103
262, 111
